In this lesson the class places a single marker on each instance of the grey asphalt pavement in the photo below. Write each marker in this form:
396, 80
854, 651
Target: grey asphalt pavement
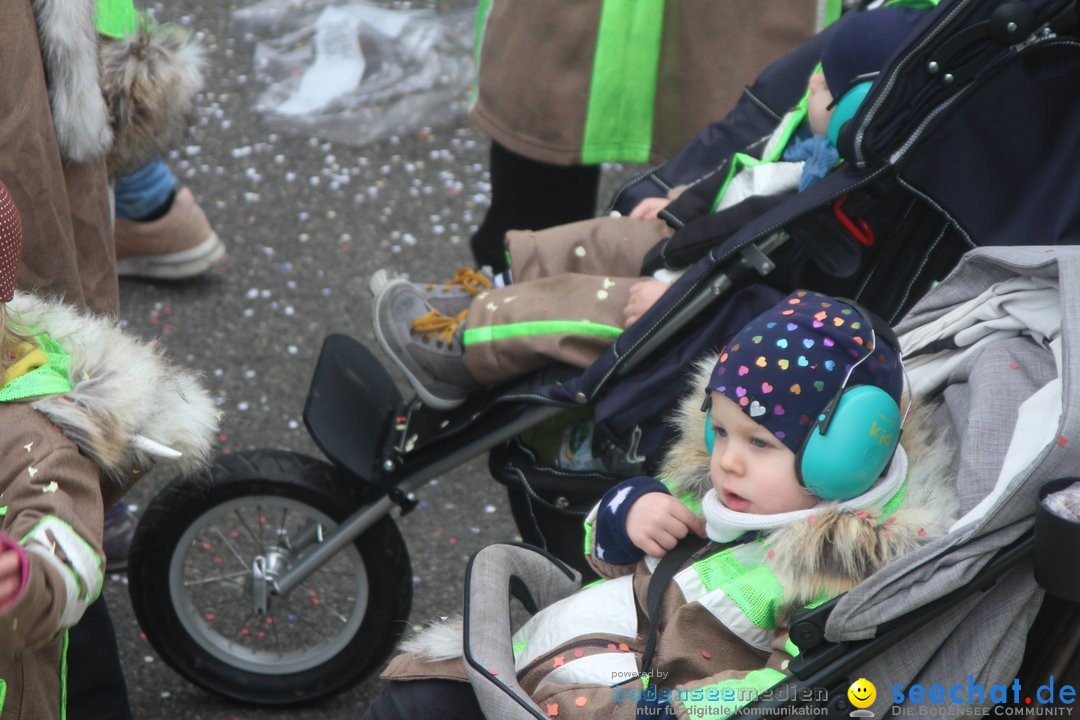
305, 221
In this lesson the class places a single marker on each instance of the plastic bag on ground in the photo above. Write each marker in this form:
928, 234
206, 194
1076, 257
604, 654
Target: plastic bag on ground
354, 72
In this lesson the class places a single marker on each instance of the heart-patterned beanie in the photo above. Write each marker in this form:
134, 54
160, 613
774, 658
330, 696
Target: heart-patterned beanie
788, 363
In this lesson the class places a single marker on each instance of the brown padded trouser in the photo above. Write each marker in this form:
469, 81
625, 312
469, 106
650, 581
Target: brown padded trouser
571, 284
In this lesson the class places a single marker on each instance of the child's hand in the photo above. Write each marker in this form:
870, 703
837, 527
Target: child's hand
10, 574
643, 294
648, 208
657, 521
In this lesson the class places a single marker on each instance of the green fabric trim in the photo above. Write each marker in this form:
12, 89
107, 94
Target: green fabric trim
116, 18
725, 697
894, 504
49, 379
3, 510
687, 498
3, 694
519, 648
594, 583
791, 648
63, 678
589, 530
493, 333
619, 122
741, 161
757, 591
833, 8
483, 10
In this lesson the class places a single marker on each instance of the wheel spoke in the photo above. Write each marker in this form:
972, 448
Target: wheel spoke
246, 526
243, 563
229, 578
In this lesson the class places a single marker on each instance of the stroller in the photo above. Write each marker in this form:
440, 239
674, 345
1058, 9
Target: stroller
213, 563
995, 336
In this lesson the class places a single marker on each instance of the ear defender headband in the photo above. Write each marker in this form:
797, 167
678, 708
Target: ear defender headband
853, 439
847, 105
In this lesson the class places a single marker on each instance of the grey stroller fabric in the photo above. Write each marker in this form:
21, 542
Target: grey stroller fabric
493, 574
996, 341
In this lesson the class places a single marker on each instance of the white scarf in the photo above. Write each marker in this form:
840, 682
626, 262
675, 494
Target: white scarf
724, 525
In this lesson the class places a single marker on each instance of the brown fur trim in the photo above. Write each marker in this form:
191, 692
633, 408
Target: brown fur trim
150, 81
686, 463
837, 550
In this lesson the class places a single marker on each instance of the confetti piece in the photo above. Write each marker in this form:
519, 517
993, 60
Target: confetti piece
493, 671
207, 546
553, 709
211, 616
218, 560
1062, 440
611, 646
921, 533
32, 470
624, 647
581, 701
579, 653
559, 661
50, 488
28, 447
452, 541
771, 554
706, 654
1013, 366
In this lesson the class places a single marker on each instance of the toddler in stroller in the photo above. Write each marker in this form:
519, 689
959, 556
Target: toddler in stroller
795, 477
572, 289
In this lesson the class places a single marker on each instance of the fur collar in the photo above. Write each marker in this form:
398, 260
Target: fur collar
150, 81
122, 388
69, 51
838, 548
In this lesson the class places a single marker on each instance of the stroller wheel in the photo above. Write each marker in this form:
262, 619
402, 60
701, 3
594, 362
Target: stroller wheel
201, 574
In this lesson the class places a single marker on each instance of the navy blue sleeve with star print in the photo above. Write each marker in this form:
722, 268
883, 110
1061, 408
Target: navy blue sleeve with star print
612, 543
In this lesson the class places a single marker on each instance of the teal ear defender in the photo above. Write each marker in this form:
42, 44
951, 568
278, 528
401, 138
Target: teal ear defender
853, 439
847, 105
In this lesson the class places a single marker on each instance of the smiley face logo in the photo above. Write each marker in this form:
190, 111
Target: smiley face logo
862, 693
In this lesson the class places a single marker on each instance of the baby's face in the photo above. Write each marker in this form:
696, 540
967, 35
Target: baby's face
818, 112
752, 471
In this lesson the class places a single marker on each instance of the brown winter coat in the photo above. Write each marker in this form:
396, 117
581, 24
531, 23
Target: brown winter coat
64, 459
536, 63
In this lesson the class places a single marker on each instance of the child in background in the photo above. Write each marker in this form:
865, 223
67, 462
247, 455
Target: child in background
84, 411
805, 492
571, 290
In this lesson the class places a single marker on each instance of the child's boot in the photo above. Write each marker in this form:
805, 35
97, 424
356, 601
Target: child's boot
425, 343
449, 298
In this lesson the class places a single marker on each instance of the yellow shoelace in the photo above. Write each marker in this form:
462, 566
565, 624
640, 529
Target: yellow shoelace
468, 279
434, 324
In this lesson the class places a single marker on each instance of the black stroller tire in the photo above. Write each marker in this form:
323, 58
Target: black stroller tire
204, 625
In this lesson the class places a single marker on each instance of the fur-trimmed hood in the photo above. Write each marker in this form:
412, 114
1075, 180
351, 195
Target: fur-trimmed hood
128, 405
836, 549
